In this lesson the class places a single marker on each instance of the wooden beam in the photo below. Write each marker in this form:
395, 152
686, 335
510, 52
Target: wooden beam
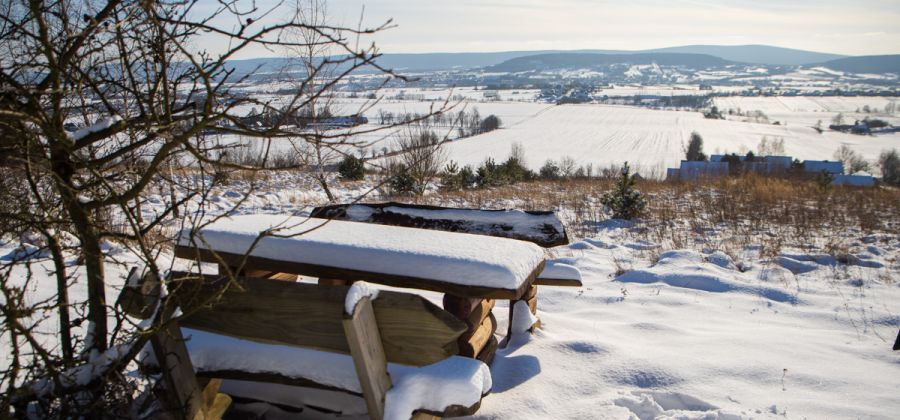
183, 396
480, 312
413, 330
473, 342
368, 356
558, 282
320, 271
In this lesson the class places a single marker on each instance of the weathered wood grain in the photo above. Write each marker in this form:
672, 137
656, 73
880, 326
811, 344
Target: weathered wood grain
183, 396
413, 330
369, 359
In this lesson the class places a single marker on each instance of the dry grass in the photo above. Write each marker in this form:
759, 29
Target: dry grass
726, 214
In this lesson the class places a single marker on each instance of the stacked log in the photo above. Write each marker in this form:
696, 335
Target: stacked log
478, 341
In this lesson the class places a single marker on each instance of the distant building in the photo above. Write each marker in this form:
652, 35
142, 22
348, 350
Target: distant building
854, 180
492, 95
690, 170
823, 165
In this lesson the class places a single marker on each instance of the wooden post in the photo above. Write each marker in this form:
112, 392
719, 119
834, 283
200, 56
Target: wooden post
368, 356
184, 399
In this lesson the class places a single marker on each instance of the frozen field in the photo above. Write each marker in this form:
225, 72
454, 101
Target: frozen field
657, 333
605, 135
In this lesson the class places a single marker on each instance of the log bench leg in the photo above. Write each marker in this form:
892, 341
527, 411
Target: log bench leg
530, 297
478, 341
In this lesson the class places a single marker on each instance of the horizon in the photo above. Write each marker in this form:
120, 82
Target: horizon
861, 28
600, 51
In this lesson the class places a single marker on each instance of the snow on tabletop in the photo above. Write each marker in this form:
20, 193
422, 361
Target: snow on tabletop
359, 290
556, 269
453, 381
463, 259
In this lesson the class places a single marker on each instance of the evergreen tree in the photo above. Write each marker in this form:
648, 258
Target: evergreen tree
624, 200
695, 148
352, 168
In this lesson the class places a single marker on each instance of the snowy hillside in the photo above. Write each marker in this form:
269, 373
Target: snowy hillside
605, 135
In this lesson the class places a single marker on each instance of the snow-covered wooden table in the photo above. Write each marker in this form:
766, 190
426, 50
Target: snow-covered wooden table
458, 264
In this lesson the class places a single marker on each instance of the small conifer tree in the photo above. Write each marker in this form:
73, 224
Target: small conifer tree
624, 200
352, 168
694, 151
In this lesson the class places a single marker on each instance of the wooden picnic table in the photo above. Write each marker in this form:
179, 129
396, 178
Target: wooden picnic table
458, 264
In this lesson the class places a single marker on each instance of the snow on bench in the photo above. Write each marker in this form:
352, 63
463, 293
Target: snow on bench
453, 381
431, 257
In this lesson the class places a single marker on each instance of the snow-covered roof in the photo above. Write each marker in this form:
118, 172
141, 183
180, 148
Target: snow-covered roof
457, 258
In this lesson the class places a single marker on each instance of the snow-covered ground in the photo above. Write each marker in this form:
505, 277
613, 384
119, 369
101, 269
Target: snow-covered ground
607, 135
691, 336
670, 333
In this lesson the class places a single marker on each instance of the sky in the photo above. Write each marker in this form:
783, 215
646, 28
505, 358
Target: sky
857, 27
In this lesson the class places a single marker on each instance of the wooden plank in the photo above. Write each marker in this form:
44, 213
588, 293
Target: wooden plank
271, 377
320, 271
210, 387
473, 342
489, 351
480, 313
140, 295
558, 282
217, 409
214, 403
368, 356
283, 277
413, 330
183, 396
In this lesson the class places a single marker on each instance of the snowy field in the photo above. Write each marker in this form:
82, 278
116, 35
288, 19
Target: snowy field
607, 135
692, 337
660, 333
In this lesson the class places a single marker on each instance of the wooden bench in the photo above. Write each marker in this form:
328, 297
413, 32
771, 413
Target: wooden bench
464, 266
300, 334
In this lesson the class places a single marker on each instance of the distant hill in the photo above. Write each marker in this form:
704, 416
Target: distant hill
878, 64
590, 60
756, 54
753, 54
